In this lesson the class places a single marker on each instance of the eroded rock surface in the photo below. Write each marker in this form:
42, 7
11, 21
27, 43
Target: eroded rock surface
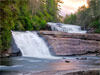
72, 44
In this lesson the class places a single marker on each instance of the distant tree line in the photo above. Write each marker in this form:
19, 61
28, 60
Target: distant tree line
25, 15
86, 17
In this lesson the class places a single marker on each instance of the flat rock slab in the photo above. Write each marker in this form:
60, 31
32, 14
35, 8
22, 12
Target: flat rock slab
71, 35
92, 72
72, 44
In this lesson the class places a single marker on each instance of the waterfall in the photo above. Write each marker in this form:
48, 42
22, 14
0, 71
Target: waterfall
31, 45
65, 28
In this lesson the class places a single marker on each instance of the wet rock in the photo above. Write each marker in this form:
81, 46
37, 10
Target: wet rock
16, 54
84, 73
4, 55
82, 58
92, 72
97, 62
67, 61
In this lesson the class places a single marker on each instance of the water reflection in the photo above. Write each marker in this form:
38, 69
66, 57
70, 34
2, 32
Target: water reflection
6, 62
35, 64
64, 66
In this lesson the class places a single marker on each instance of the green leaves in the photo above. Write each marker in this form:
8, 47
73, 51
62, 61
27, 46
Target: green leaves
87, 17
25, 15
70, 19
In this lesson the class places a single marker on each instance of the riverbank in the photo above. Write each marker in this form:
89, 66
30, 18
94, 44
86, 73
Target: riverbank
88, 72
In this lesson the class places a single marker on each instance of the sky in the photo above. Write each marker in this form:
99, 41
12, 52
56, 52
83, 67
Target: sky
71, 6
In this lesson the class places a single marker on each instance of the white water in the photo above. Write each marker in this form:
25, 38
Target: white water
31, 45
65, 28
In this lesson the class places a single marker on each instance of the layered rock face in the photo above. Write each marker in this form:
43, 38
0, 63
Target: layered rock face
72, 44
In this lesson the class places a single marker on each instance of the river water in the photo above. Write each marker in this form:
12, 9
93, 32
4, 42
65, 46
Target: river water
37, 57
66, 28
30, 64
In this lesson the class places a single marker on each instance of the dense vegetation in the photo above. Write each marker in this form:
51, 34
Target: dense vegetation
89, 17
34, 14
25, 15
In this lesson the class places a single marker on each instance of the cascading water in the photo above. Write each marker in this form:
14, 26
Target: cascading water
31, 45
65, 28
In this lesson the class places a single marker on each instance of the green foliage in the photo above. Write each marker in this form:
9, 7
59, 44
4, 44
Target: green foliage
70, 19
25, 15
42, 23
0, 43
87, 17
97, 31
95, 24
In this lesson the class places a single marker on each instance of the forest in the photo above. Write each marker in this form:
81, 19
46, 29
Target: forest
87, 17
31, 15
25, 15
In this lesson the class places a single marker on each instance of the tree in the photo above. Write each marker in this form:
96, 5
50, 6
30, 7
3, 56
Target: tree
25, 15
87, 17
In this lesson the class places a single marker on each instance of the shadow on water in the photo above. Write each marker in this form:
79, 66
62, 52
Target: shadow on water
5, 62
